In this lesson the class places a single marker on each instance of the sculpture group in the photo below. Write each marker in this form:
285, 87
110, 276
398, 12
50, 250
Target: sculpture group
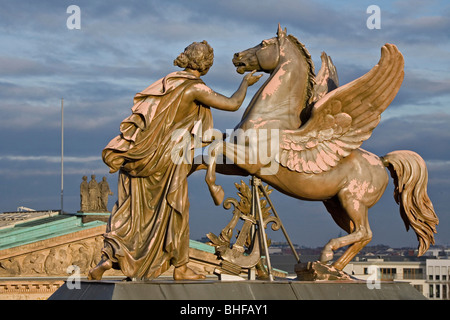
315, 126
94, 195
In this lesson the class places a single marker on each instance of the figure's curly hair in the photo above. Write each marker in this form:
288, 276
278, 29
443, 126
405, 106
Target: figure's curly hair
197, 56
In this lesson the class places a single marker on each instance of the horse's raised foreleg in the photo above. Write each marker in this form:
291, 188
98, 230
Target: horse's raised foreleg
216, 191
351, 215
235, 160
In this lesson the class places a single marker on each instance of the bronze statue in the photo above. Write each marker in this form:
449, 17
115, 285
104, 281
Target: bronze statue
84, 195
105, 192
317, 136
149, 226
94, 194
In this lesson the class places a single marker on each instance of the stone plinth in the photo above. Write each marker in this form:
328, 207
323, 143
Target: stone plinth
236, 290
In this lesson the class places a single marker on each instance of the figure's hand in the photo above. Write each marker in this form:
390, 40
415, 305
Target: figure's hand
251, 79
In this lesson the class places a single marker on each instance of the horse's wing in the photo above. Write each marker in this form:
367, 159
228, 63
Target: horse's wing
344, 118
327, 78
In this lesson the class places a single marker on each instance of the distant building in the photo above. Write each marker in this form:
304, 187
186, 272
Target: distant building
430, 277
438, 278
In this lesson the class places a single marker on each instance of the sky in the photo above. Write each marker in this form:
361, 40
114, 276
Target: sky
122, 47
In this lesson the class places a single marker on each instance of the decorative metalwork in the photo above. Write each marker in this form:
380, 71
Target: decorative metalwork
251, 243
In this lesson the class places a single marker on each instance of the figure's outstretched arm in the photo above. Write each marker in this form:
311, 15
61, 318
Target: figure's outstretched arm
207, 96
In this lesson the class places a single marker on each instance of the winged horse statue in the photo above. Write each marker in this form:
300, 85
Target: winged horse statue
319, 134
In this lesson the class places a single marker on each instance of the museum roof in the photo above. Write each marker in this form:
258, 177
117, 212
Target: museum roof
9, 219
21, 228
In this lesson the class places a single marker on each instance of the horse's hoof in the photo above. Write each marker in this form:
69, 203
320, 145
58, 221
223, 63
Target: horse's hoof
217, 194
326, 256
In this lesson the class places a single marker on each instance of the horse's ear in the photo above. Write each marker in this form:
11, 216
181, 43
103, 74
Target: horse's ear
280, 32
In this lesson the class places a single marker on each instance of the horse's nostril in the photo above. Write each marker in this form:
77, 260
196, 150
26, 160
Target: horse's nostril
236, 55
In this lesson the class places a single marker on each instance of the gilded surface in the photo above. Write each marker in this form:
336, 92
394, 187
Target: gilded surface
149, 226
314, 129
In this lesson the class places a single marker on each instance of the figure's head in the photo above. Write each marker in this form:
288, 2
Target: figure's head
197, 56
263, 57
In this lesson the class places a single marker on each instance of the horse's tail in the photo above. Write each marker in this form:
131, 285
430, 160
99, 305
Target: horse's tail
410, 175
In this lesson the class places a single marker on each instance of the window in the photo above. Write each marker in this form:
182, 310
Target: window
388, 274
418, 287
430, 293
413, 273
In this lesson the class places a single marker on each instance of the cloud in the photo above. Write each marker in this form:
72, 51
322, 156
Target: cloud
50, 159
15, 66
426, 134
424, 88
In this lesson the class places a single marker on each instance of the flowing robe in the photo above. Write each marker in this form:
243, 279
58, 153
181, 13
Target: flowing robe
149, 225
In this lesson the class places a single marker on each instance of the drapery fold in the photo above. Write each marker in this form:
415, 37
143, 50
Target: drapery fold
149, 225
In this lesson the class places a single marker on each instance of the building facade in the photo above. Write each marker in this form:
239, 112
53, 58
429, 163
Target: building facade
430, 277
40, 250
438, 273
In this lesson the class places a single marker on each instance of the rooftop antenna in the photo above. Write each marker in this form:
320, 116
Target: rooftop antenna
62, 155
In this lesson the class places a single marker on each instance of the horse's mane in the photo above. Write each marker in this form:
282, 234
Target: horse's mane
311, 72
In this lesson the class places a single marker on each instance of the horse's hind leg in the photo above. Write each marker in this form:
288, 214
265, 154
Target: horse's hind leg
350, 253
351, 215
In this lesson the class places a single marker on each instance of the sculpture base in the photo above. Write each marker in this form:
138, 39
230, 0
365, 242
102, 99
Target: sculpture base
88, 216
236, 290
312, 271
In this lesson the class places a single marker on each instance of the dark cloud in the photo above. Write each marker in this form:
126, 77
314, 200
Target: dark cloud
426, 134
419, 89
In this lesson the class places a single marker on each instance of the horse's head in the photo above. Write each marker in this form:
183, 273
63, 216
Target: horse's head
264, 57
